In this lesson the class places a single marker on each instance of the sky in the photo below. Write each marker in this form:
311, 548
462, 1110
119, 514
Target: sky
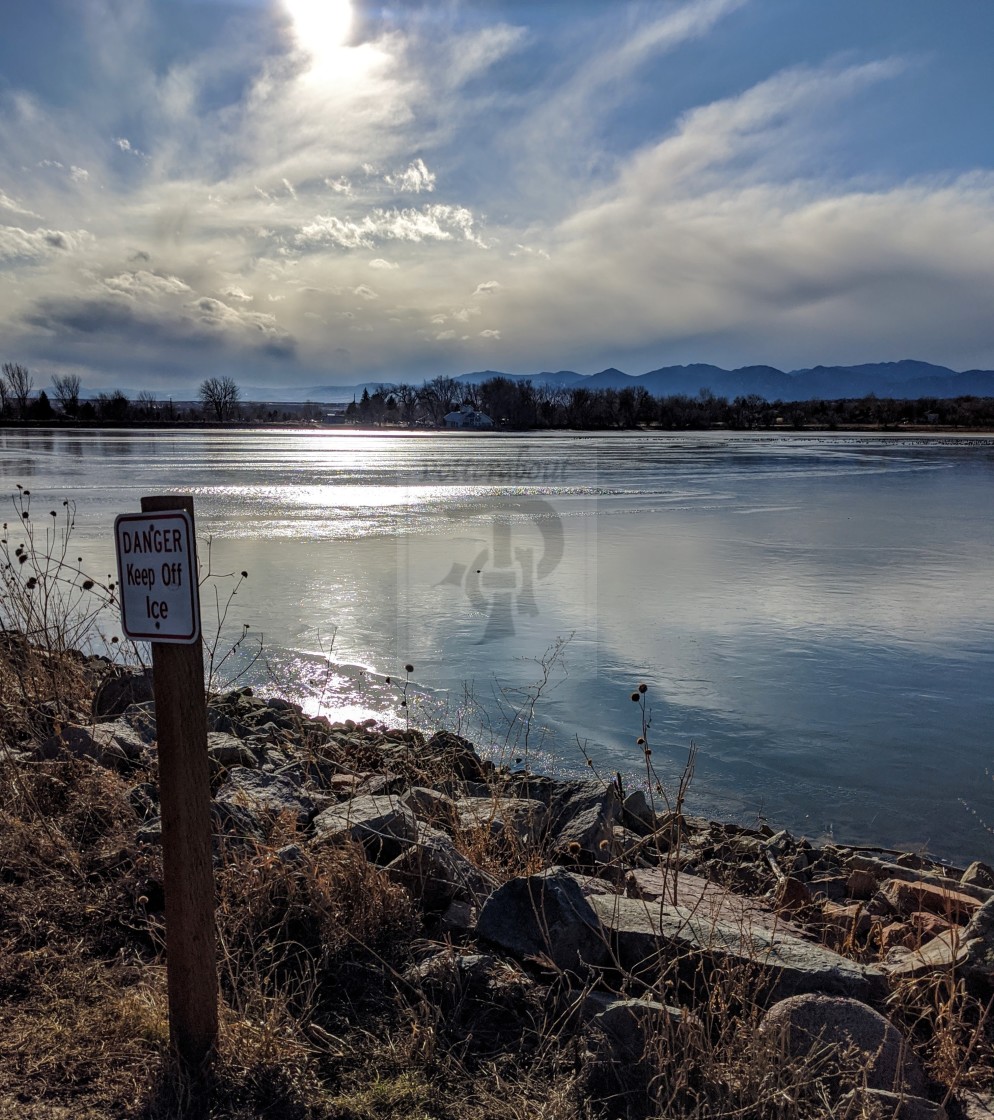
305, 193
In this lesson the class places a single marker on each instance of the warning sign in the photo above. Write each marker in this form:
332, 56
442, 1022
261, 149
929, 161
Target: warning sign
157, 577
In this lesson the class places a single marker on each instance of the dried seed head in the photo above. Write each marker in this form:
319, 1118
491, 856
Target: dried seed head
643, 688
408, 668
573, 848
635, 697
640, 741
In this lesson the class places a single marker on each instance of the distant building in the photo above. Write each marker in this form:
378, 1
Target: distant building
468, 417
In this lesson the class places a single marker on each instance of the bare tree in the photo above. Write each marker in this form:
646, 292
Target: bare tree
220, 395
66, 393
115, 408
19, 384
147, 404
407, 399
438, 395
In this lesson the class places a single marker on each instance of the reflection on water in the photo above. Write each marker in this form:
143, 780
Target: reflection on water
815, 613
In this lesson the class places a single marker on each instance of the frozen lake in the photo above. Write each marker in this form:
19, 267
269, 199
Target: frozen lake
815, 613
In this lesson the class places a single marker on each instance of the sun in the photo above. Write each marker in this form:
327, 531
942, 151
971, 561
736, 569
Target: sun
321, 26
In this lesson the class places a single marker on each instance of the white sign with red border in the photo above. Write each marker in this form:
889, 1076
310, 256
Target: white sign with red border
157, 577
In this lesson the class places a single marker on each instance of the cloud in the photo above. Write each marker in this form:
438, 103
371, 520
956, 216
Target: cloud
145, 284
727, 231
237, 294
125, 145
717, 239
415, 179
18, 244
431, 223
8, 203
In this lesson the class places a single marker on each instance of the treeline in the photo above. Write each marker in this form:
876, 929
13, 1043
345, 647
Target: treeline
219, 401
522, 405
514, 405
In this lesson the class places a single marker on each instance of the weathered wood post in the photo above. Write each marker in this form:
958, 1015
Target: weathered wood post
160, 602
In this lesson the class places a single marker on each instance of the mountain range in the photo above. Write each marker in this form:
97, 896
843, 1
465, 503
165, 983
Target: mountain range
903, 379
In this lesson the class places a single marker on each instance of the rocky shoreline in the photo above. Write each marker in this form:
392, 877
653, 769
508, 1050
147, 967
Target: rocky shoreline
631, 920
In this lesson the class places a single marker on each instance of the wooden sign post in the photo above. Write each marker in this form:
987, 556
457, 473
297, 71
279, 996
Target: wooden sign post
160, 603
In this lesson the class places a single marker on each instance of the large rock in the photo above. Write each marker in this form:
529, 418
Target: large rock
648, 937
978, 874
970, 951
581, 820
576, 921
434, 872
807, 1023
384, 825
631, 1026
520, 818
977, 959
905, 898
124, 687
225, 751
545, 916
455, 757
113, 744
432, 807
266, 795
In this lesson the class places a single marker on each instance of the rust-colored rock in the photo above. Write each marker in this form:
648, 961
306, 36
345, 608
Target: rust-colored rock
906, 898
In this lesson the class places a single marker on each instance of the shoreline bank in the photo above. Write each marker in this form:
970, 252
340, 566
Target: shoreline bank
550, 924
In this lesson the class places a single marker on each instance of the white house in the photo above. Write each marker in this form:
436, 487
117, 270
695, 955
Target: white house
468, 417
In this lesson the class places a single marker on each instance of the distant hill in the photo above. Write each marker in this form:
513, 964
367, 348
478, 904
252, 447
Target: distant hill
906, 378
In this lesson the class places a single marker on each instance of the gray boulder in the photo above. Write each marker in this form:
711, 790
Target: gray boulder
631, 1025
225, 751
124, 687
545, 916
810, 1022
649, 937
266, 795
977, 947
233, 821
520, 818
383, 824
581, 820
436, 874
112, 744
432, 807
